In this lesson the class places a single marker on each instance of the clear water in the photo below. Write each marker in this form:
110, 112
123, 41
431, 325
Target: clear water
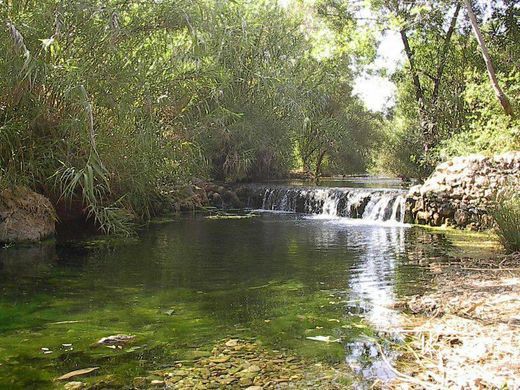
183, 285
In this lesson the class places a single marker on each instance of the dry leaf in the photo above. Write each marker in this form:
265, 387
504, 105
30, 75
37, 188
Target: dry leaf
72, 374
325, 339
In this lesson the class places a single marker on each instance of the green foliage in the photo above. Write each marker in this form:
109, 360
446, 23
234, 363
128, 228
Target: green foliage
507, 216
401, 151
489, 130
334, 132
77, 119
462, 115
114, 105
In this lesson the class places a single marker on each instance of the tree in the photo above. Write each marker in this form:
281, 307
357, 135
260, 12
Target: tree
407, 12
501, 96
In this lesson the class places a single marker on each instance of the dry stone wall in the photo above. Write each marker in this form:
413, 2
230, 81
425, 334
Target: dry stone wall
461, 191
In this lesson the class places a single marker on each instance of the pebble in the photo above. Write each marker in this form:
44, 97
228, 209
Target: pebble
74, 385
232, 343
236, 363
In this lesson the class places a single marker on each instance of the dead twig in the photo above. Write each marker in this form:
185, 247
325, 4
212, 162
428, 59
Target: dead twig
402, 376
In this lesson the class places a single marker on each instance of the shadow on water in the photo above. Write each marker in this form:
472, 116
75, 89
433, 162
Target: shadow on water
184, 285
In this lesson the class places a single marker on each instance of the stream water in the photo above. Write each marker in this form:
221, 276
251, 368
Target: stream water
186, 283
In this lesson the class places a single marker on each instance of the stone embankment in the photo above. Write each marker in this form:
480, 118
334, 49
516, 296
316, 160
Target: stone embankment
25, 216
461, 192
201, 194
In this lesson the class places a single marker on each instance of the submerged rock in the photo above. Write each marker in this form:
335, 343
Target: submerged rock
116, 340
25, 216
72, 374
74, 385
232, 343
235, 364
140, 382
323, 339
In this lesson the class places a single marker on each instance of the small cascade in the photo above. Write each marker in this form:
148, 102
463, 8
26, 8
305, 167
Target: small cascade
385, 207
367, 204
398, 209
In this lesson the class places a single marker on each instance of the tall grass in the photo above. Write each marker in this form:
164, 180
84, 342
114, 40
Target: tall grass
507, 216
79, 116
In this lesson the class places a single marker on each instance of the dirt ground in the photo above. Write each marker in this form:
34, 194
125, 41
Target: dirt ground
466, 334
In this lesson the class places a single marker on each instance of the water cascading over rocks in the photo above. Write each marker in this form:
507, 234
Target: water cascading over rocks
372, 205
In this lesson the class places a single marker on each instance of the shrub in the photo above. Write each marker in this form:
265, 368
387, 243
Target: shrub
507, 217
488, 129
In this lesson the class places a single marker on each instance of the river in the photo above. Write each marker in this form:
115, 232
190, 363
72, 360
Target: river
185, 283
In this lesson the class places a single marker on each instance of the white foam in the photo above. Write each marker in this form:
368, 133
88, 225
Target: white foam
357, 221
385, 207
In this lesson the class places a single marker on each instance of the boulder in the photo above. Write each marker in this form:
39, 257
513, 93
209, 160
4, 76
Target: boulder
25, 216
422, 217
461, 218
215, 199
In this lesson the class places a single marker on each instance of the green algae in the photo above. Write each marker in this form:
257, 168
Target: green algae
160, 339
182, 287
470, 243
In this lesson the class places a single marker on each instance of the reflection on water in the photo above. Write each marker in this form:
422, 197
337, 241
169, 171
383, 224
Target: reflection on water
372, 281
372, 292
277, 278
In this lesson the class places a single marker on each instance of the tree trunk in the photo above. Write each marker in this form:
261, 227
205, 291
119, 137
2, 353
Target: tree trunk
317, 172
444, 54
501, 96
419, 93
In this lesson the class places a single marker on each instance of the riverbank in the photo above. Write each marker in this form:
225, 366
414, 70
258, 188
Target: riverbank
460, 193
466, 333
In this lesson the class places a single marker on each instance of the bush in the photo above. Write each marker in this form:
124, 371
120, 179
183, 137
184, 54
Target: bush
401, 154
507, 216
488, 129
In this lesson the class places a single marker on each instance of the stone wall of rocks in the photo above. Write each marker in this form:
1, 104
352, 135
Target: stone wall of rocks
201, 194
461, 191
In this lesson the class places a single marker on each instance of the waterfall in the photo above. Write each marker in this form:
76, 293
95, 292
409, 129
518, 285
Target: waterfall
376, 205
